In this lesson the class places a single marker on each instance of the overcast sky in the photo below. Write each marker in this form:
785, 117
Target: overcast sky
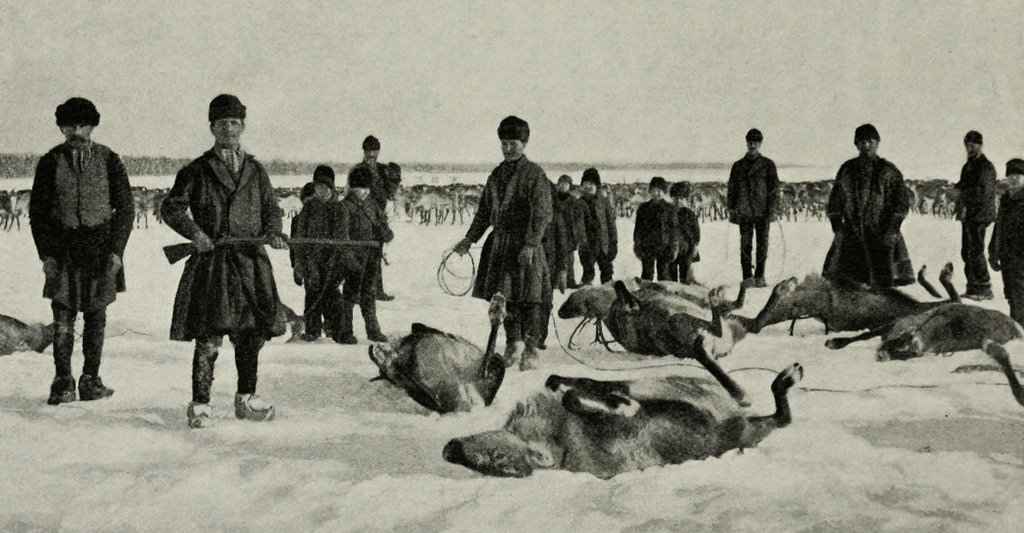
613, 81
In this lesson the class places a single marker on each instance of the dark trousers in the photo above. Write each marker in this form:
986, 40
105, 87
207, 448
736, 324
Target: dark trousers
247, 350
588, 259
570, 269
649, 268
360, 288
64, 338
321, 307
524, 320
679, 270
972, 251
747, 230
1013, 290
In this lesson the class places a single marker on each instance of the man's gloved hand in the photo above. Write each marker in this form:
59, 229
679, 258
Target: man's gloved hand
462, 247
50, 268
202, 243
994, 263
526, 255
276, 241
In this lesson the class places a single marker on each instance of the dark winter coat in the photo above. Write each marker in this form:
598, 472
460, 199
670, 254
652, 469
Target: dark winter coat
516, 204
569, 214
316, 220
654, 230
82, 237
866, 207
360, 220
687, 230
977, 188
1007, 243
231, 289
753, 190
559, 239
599, 222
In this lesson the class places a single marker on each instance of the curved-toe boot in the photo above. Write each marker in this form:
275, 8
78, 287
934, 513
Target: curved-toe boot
252, 407
62, 390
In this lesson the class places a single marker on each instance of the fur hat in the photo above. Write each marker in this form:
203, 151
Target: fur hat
226, 106
371, 143
565, 178
77, 111
755, 135
360, 178
514, 128
590, 175
658, 182
308, 190
865, 131
680, 189
324, 174
972, 137
1015, 166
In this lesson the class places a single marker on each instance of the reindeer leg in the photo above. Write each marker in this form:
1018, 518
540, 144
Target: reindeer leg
836, 343
708, 362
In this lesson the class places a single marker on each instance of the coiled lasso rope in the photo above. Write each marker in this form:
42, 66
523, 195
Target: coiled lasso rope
444, 271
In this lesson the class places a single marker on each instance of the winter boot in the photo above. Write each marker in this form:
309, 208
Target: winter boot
200, 415
343, 331
91, 388
528, 361
62, 390
372, 326
252, 407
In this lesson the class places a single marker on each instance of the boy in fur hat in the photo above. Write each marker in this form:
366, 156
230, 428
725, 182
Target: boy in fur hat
687, 228
602, 238
359, 218
654, 233
314, 265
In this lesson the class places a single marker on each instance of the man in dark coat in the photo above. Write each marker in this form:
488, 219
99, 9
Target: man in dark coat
516, 204
976, 209
384, 182
1006, 248
687, 236
360, 219
654, 232
229, 289
82, 215
601, 244
751, 198
866, 208
314, 265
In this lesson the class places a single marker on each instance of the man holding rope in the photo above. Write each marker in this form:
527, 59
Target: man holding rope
225, 290
516, 202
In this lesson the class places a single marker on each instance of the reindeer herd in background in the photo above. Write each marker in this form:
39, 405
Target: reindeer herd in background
456, 203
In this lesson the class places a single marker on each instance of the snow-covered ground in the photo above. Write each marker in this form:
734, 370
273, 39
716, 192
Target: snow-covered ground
896, 446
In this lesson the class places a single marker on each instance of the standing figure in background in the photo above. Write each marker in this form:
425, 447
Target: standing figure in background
314, 265
687, 237
752, 196
359, 218
566, 212
654, 233
976, 209
602, 237
81, 215
516, 205
225, 290
866, 208
1006, 249
558, 246
382, 188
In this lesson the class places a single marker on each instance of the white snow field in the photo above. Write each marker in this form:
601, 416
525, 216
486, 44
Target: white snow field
894, 446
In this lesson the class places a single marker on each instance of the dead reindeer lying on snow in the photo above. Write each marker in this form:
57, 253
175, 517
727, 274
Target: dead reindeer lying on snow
593, 303
846, 306
441, 371
941, 329
609, 427
17, 336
